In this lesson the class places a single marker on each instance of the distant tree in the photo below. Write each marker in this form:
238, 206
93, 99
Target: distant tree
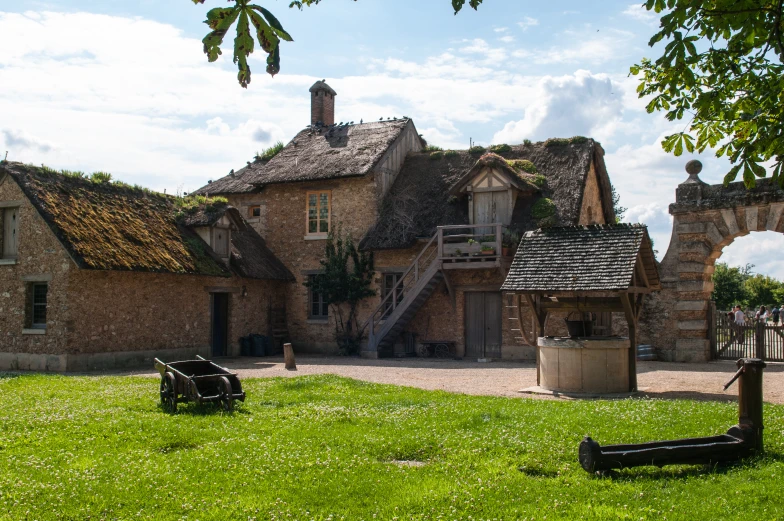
722, 71
269, 32
345, 280
729, 285
762, 290
619, 210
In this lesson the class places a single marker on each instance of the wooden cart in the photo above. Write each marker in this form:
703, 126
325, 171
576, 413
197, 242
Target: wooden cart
437, 348
198, 381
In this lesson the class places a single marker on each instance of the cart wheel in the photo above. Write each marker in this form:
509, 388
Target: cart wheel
226, 396
423, 350
169, 392
442, 351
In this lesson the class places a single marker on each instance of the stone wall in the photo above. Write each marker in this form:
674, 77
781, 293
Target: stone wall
706, 218
41, 258
122, 311
282, 224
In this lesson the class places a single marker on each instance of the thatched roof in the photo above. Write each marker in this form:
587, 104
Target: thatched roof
250, 256
108, 226
316, 153
520, 180
581, 258
234, 183
420, 200
321, 85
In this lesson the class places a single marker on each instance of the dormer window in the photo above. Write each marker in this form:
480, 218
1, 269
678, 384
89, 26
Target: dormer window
318, 213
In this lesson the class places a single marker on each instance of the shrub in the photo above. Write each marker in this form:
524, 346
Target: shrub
268, 153
556, 141
433, 148
527, 142
101, 177
436, 155
477, 150
543, 208
500, 149
450, 153
539, 180
576, 140
522, 165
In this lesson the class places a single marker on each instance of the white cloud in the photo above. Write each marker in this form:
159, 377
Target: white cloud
578, 104
19, 140
641, 14
527, 22
763, 250
501, 29
507, 39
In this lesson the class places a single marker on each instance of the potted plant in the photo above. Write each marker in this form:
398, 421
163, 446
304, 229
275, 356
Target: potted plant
487, 249
509, 243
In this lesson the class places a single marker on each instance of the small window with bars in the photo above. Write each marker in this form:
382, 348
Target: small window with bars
318, 212
318, 309
37, 307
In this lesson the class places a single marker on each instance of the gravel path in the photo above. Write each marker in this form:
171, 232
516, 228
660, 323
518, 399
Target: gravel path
657, 379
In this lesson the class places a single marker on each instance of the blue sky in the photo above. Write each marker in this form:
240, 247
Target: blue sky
123, 86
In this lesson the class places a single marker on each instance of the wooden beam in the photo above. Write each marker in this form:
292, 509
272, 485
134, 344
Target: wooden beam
631, 319
450, 289
639, 267
538, 324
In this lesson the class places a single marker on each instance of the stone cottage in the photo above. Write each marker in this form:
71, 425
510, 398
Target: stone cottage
435, 220
97, 275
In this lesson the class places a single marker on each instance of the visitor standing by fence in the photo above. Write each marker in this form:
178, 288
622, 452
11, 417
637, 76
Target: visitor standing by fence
774, 313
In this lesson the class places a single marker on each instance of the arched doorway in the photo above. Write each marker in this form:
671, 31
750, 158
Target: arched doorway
706, 219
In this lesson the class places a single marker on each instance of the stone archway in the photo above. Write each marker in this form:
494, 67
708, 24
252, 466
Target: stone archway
706, 218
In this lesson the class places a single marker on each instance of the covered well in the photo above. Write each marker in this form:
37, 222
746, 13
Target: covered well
585, 269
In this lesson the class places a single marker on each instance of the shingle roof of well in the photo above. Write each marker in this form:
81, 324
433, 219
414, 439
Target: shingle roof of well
420, 199
106, 226
580, 258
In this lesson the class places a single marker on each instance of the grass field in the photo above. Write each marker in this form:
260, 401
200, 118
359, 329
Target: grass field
326, 448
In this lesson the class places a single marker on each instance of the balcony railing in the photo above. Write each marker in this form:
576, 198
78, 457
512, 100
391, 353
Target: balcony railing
470, 242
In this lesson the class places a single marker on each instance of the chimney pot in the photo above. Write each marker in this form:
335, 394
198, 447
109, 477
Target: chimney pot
322, 104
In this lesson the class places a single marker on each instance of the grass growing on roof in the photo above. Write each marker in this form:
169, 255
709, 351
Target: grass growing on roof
324, 447
450, 153
436, 155
433, 148
476, 150
268, 153
522, 165
500, 149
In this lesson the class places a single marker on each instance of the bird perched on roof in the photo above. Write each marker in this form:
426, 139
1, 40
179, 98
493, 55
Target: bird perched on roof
381, 118
360, 121
340, 124
351, 123
395, 118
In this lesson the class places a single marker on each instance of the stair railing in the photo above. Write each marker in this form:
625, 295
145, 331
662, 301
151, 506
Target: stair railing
397, 293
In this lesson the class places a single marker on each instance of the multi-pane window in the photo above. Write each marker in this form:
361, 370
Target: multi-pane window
319, 206
388, 286
37, 311
10, 232
317, 306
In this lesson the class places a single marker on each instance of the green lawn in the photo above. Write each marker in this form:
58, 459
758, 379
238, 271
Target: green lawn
323, 448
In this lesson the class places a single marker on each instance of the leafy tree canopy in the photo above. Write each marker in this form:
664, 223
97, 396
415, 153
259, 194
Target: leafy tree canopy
738, 285
268, 30
721, 70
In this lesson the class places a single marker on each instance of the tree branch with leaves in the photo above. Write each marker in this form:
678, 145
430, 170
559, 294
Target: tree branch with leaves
721, 72
269, 32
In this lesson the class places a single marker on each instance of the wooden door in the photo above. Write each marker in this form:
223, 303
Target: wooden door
483, 324
10, 232
491, 208
220, 324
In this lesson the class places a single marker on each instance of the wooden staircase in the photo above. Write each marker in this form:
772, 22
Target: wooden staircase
457, 247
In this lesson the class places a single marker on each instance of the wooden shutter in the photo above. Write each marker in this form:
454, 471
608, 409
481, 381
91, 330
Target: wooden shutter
10, 232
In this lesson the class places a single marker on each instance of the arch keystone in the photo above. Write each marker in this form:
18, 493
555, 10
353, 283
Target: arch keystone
752, 218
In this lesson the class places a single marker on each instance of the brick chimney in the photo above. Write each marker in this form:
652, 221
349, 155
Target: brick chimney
322, 104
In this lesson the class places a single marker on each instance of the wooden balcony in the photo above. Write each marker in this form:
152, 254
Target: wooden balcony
470, 246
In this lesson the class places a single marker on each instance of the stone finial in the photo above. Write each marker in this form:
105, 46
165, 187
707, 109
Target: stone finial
693, 168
